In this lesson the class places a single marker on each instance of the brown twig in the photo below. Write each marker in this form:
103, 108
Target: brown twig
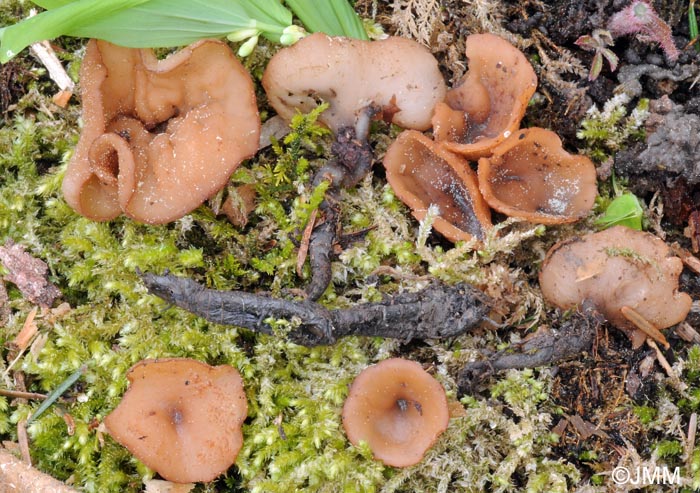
16, 394
17, 476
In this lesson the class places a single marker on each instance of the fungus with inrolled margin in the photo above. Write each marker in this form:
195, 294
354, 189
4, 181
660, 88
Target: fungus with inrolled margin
489, 102
181, 417
422, 173
398, 409
530, 176
630, 276
159, 137
397, 75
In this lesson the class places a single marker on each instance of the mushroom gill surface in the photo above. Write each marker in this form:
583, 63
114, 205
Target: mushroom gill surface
396, 74
615, 268
532, 177
398, 409
490, 100
182, 418
423, 173
159, 136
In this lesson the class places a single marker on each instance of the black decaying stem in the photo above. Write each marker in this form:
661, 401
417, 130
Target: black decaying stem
572, 337
438, 311
352, 161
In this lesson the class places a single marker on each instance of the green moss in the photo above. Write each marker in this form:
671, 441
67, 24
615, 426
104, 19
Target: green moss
607, 131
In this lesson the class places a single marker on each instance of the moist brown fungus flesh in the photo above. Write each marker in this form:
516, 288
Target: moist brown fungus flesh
398, 409
159, 136
182, 418
530, 176
488, 104
396, 75
422, 173
630, 276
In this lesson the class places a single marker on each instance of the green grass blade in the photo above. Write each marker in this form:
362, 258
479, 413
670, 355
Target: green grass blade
56, 22
58, 392
333, 17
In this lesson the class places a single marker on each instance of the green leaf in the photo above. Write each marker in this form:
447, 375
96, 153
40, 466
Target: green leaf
333, 17
166, 23
625, 210
57, 22
145, 23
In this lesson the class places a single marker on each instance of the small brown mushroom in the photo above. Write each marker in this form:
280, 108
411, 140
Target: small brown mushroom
182, 418
617, 268
423, 173
532, 177
398, 409
398, 75
488, 104
159, 137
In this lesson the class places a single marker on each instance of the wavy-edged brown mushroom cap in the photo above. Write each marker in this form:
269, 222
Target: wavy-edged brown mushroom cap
488, 104
532, 177
421, 173
615, 268
398, 409
159, 136
396, 74
182, 418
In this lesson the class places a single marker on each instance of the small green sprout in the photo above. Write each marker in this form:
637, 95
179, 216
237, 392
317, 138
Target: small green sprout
598, 41
624, 210
693, 25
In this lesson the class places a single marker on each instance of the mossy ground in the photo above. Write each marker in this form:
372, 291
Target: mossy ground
498, 440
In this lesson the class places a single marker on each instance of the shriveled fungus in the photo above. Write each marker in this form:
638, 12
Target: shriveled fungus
626, 273
182, 418
398, 409
422, 173
159, 137
396, 74
488, 104
531, 176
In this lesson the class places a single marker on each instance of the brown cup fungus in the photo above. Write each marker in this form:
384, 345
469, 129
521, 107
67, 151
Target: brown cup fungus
397, 75
630, 276
159, 136
182, 418
398, 409
488, 104
423, 173
530, 176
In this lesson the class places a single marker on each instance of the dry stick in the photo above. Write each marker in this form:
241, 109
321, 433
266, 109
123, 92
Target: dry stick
18, 477
23, 441
438, 311
304, 246
675, 380
644, 325
16, 394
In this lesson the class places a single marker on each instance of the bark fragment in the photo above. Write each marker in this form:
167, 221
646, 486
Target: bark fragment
28, 274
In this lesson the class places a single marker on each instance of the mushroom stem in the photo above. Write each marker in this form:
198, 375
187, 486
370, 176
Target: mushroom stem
436, 312
634, 317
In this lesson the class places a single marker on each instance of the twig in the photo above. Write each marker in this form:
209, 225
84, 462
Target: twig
16, 394
675, 380
438, 311
23, 441
19, 477
46, 55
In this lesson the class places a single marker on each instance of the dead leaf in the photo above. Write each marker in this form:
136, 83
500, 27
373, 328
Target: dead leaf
161, 486
28, 274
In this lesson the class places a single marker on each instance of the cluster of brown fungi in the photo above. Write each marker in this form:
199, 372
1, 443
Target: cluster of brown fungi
183, 418
161, 137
